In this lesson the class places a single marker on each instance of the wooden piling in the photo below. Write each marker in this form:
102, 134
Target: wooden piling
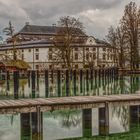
104, 120
91, 78
87, 122
46, 83
67, 83
87, 80
16, 84
81, 81
59, 82
33, 79
74, 82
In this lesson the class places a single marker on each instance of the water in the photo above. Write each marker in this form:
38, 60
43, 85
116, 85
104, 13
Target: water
123, 122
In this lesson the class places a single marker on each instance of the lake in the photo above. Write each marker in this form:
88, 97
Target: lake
85, 124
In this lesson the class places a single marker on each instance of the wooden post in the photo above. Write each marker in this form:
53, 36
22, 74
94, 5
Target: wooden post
59, 82
37, 125
87, 80
99, 73
81, 81
16, 84
104, 120
37, 79
95, 74
29, 77
134, 117
8, 76
47, 83
7, 82
87, 122
71, 73
33, 78
52, 76
91, 78
74, 82
67, 83
25, 127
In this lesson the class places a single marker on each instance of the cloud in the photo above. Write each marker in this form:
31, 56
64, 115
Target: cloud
96, 15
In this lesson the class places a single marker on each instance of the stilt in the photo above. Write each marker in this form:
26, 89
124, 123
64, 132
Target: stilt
87, 122
67, 83
33, 78
74, 82
59, 82
81, 81
46, 83
16, 84
104, 120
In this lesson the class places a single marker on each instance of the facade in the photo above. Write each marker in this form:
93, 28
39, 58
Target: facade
36, 48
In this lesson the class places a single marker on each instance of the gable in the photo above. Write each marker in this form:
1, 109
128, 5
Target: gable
91, 41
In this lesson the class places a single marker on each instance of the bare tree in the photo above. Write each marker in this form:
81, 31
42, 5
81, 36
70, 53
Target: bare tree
112, 40
120, 44
130, 22
111, 36
68, 33
9, 31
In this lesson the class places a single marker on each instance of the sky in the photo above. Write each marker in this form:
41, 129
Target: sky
96, 15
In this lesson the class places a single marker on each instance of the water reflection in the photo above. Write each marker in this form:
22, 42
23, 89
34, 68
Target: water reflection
99, 123
31, 126
73, 124
76, 85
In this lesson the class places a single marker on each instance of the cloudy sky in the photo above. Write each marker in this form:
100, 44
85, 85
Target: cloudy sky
96, 15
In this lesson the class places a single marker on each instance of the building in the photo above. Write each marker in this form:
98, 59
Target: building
35, 46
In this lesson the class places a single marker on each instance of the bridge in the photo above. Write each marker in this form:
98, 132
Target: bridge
61, 103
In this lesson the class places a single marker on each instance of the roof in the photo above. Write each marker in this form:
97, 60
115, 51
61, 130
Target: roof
47, 44
36, 29
19, 64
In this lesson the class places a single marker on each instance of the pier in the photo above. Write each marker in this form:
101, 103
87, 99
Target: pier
77, 102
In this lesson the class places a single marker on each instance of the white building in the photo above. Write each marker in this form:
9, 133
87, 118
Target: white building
35, 47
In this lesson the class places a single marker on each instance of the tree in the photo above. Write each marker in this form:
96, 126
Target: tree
120, 40
9, 31
112, 36
130, 22
68, 32
112, 40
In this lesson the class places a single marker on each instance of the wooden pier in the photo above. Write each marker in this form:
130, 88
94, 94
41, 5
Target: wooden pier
77, 102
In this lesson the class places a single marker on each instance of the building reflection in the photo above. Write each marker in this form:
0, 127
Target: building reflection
31, 126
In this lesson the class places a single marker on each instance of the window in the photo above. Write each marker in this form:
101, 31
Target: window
108, 56
87, 49
94, 49
50, 66
22, 56
37, 56
37, 50
63, 66
50, 56
37, 67
94, 56
22, 50
87, 56
29, 50
76, 66
50, 49
104, 57
76, 49
76, 56
104, 49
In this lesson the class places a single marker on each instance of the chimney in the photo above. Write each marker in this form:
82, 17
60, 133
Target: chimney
27, 23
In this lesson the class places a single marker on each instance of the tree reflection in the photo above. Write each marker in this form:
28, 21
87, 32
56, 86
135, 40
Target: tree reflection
122, 113
68, 118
